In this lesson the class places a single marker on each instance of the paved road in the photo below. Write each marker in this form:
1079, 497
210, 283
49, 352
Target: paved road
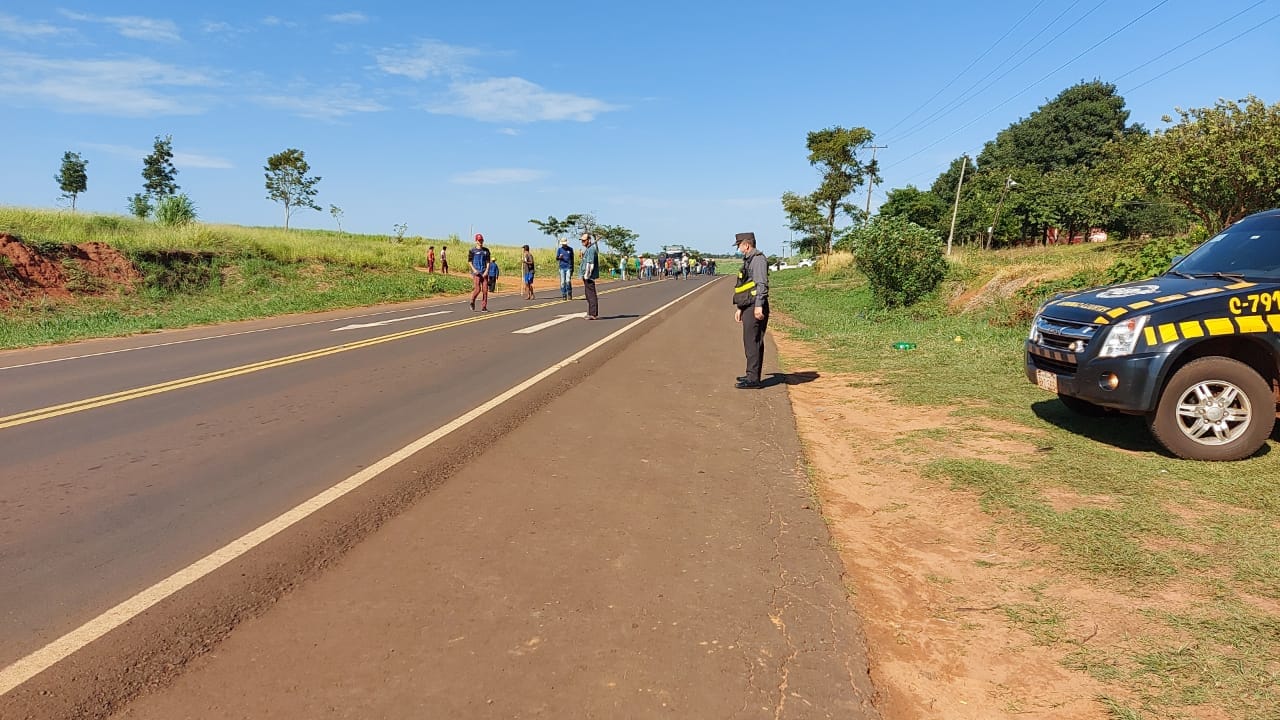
104, 498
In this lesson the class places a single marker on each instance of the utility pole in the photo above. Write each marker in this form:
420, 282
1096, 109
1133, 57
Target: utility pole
1009, 184
870, 181
955, 208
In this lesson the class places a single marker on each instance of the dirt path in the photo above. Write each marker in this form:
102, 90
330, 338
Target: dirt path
935, 579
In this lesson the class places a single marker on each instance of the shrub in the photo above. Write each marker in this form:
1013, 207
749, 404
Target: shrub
175, 210
1154, 258
903, 262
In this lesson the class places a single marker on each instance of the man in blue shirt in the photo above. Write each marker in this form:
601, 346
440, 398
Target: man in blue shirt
590, 272
479, 259
564, 259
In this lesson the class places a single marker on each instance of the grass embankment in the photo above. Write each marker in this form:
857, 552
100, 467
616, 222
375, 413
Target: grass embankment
1150, 525
203, 274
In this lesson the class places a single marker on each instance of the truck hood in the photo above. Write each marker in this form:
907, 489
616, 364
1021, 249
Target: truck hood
1105, 305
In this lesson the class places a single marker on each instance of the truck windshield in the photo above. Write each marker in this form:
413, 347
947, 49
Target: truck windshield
1249, 249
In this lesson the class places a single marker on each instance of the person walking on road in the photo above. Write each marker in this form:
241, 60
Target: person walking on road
751, 299
564, 259
431, 259
444, 259
526, 271
590, 273
479, 259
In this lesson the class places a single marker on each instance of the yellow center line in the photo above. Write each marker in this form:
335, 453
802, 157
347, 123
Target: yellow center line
75, 406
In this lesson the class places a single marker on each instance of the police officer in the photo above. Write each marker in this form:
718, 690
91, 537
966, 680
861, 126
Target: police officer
751, 299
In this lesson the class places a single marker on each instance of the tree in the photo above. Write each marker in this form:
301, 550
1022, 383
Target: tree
336, 212
805, 217
551, 227
158, 173
921, 207
1220, 163
1071, 129
139, 205
581, 223
903, 262
72, 178
620, 239
833, 151
288, 184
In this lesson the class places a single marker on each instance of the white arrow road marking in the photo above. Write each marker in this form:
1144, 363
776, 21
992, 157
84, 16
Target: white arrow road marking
550, 323
388, 322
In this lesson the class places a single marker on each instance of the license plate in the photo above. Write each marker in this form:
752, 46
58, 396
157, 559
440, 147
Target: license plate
1047, 380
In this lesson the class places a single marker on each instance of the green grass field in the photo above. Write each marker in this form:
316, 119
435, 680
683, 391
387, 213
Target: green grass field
204, 274
1210, 527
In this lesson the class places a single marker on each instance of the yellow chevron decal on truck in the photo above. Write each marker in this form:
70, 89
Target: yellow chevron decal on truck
1212, 327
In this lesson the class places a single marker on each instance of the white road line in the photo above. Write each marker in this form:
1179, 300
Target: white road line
49, 655
192, 340
550, 323
380, 323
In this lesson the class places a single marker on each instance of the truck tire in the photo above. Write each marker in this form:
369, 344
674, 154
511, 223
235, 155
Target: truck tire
1214, 408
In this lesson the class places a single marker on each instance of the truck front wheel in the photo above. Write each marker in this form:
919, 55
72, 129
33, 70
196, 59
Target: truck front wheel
1214, 408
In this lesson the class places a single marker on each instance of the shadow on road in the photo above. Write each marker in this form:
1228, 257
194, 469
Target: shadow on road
795, 378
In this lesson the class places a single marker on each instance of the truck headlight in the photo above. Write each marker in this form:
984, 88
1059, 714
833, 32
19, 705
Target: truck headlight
1034, 335
1123, 337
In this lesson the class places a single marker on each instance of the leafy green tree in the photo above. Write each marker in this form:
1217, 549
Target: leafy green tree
1071, 129
806, 218
158, 173
903, 262
834, 152
288, 183
72, 179
551, 227
620, 239
921, 207
581, 223
1220, 163
139, 205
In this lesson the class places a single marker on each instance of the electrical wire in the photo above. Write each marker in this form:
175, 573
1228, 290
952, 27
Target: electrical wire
1013, 97
970, 66
1206, 52
1184, 43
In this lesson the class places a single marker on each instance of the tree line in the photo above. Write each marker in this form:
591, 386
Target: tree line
286, 172
1074, 164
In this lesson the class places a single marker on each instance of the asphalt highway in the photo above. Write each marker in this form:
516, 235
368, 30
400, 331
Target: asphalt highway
124, 461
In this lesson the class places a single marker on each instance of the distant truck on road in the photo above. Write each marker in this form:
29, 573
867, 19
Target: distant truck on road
1196, 351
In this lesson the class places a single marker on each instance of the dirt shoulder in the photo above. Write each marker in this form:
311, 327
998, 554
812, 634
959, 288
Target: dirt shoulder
934, 579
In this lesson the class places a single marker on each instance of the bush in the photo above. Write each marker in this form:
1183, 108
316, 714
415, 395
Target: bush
903, 262
175, 210
1154, 258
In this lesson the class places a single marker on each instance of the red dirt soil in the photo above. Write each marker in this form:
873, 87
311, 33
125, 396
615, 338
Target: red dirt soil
28, 274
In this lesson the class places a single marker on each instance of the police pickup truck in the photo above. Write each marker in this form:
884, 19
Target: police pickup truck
1196, 351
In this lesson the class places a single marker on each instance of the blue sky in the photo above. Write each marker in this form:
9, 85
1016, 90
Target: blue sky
682, 121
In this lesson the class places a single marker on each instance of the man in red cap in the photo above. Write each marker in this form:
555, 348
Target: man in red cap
479, 259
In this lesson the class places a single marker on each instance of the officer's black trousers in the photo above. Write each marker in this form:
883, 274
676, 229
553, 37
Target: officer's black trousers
753, 341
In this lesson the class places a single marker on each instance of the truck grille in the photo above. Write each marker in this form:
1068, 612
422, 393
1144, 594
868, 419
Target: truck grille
1057, 344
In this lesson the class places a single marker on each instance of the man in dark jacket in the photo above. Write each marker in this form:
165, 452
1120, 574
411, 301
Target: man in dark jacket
751, 298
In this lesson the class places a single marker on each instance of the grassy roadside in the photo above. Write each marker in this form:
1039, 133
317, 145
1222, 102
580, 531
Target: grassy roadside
205, 274
1137, 523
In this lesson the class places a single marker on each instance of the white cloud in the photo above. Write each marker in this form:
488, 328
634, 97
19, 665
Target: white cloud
509, 131
215, 26
122, 87
133, 26
498, 176
328, 104
428, 58
349, 18
515, 99
180, 159
10, 25
273, 21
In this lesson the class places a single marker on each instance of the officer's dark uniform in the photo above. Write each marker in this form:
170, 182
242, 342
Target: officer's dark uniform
753, 291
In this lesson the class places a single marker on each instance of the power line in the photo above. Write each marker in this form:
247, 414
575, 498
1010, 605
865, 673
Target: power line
960, 99
1206, 52
970, 66
1011, 98
1188, 42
